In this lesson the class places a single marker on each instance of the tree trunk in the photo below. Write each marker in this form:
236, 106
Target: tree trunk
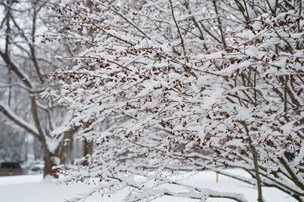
255, 163
88, 148
257, 172
49, 162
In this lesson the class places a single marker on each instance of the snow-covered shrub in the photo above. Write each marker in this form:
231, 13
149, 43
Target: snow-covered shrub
185, 85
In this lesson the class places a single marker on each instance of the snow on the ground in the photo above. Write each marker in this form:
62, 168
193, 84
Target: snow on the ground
33, 189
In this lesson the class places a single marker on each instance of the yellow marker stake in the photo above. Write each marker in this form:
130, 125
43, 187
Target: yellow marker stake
216, 177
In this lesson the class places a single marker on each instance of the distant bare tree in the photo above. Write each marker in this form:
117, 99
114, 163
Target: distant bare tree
24, 60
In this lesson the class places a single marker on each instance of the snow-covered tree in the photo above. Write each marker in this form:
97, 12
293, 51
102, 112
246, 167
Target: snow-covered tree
185, 85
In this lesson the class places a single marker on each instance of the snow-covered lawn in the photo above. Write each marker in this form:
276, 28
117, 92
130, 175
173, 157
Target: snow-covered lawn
33, 189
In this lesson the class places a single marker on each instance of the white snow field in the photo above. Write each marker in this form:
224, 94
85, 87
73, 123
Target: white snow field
34, 189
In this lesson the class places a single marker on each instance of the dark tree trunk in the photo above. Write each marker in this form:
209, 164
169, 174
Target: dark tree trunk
48, 164
53, 159
88, 148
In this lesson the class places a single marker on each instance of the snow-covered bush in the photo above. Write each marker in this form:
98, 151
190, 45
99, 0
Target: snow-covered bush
185, 85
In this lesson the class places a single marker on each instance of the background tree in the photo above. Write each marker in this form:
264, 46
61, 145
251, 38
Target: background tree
24, 61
